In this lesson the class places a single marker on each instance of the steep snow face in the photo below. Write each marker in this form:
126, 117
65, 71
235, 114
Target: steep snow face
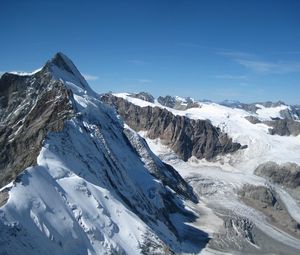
57, 211
62, 68
93, 192
68, 203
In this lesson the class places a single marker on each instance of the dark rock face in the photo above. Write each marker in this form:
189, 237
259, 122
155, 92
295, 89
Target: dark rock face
262, 196
296, 111
237, 234
270, 104
240, 235
247, 107
4, 196
185, 136
287, 174
167, 101
28, 110
287, 114
253, 119
268, 202
144, 96
177, 104
284, 127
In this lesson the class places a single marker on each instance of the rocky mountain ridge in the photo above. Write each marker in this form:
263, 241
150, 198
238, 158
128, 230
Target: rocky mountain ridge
28, 112
79, 181
284, 122
185, 136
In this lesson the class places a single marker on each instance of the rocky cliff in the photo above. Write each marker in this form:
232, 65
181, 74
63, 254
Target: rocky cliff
177, 102
30, 107
267, 201
287, 174
187, 137
284, 127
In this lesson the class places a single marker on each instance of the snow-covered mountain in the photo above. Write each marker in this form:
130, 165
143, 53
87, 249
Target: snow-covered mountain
82, 173
279, 108
185, 136
249, 198
75, 180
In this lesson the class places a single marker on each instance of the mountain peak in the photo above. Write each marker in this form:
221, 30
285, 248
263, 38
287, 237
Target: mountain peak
63, 62
62, 68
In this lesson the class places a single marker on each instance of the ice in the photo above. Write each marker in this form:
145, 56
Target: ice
216, 184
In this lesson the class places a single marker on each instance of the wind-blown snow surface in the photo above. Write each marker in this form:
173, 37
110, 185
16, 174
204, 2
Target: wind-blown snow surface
21, 73
89, 192
217, 182
79, 217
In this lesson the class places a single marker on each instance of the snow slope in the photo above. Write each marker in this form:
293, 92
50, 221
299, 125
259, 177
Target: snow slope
217, 182
91, 192
261, 145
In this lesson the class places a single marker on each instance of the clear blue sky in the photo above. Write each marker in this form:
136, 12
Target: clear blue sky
245, 50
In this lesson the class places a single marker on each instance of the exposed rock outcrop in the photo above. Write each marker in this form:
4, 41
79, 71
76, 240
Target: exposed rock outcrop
252, 108
287, 174
241, 231
178, 103
167, 101
143, 96
270, 104
253, 119
240, 235
30, 107
4, 196
296, 111
268, 202
262, 196
187, 137
237, 234
287, 114
284, 127
290, 113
